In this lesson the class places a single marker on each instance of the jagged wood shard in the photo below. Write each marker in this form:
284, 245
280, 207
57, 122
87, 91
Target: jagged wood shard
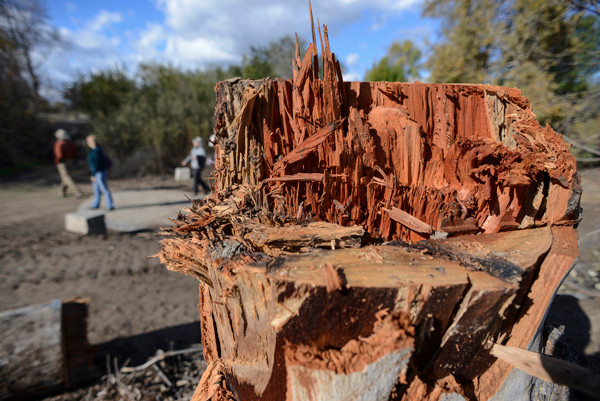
300, 295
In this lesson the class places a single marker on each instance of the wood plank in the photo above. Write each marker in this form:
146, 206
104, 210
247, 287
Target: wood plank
31, 346
316, 234
44, 348
550, 369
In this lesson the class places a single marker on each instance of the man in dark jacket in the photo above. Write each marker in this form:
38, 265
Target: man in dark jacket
99, 164
64, 154
197, 159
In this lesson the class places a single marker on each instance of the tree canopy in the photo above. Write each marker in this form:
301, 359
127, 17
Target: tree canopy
401, 63
273, 60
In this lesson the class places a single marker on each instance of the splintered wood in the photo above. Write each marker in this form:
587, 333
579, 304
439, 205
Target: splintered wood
301, 298
458, 158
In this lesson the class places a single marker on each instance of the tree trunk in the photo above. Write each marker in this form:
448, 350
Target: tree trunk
301, 297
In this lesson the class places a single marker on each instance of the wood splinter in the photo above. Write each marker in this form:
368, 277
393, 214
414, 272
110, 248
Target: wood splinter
409, 221
332, 278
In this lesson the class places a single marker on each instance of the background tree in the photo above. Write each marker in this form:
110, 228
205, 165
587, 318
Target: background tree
273, 60
147, 121
173, 107
400, 64
25, 27
100, 93
468, 46
539, 50
591, 6
547, 48
25, 40
256, 65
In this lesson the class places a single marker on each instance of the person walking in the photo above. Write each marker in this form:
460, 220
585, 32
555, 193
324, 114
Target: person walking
99, 164
64, 155
197, 160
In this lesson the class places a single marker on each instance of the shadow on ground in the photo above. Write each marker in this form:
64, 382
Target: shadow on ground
136, 350
567, 311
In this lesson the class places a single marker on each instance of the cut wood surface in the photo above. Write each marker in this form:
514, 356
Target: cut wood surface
446, 304
553, 269
323, 272
44, 348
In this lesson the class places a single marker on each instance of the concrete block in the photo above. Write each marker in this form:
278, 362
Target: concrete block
85, 222
182, 173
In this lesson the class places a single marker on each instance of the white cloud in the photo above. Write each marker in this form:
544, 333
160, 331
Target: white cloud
201, 33
229, 27
150, 42
378, 24
104, 19
352, 76
90, 48
418, 34
352, 58
198, 49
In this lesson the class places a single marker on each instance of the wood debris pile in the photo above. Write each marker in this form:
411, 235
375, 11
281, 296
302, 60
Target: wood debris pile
169, 376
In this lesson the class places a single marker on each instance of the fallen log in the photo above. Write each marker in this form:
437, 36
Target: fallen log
44, 348
381, 172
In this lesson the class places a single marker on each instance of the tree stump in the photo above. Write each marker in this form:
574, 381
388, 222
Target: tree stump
372, 241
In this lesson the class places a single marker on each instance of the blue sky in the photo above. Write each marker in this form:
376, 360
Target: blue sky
202, 33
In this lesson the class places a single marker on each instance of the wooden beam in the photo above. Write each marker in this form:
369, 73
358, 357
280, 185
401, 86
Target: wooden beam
44, 348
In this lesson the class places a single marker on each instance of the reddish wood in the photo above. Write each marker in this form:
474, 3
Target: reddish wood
460, 158
332, 278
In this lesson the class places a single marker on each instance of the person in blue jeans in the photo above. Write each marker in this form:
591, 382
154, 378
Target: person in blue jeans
99, 165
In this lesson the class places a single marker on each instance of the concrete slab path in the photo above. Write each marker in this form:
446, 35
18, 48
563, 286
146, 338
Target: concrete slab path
141, 209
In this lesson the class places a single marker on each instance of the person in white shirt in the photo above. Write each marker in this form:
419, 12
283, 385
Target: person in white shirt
197, 160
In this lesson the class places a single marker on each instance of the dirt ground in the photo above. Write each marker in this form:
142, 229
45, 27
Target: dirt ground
39, 261
137, 306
